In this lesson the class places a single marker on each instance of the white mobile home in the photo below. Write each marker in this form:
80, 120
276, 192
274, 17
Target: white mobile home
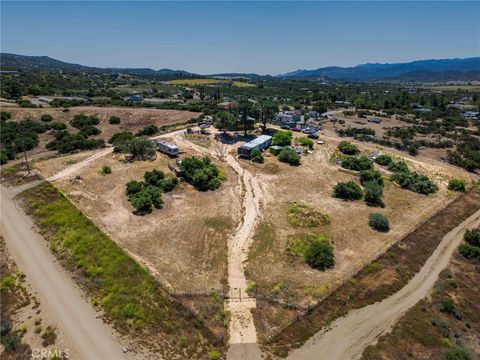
167, 148
260, 143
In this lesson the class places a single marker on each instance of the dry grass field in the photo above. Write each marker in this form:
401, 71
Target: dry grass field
183, 244
355, 243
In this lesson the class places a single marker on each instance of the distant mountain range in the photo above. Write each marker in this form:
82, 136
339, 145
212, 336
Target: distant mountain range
44, 63
421, 70
467, 69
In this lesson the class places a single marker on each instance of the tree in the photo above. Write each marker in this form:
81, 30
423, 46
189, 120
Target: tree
319, 254
357, 163
383, 160
378, 222
373, 193
133, 187
289, 156
457, 352
246, 109
472, 237
282, 138
267, 111
140, 149
142, 202
348, 148
349, 190
201, 173
225, 120
370, 175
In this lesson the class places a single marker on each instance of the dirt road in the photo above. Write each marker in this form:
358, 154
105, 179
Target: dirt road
89, 337
350, 335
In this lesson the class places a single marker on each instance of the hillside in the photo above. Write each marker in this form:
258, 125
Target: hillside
424, 70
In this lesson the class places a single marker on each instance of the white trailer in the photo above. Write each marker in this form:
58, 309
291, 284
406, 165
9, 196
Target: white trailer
167, 148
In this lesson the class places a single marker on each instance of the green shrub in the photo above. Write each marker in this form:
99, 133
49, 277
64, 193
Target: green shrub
106, 170
348, 148
257, 156
58, 126
282, 138
149, 130
414, 182
457, 352
319, 254
201, 173
373, 193
456, 185
378, 222
469, 251
383, 160
121, 138
370, 175
396, 166
472, 237
306, 142
46, 118
357, 163
114, 120
140, 149
349, 190
289, 156
214, 355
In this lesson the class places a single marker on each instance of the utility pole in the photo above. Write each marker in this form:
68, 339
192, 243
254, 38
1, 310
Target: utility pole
26, 160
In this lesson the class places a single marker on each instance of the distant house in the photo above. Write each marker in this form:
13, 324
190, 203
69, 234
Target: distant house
260, 143
288, 117
135, 97
422, 110
45, 100
227, 105
470, 115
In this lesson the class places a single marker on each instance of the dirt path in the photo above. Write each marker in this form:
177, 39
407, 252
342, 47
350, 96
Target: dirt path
87, 334
350, 335
242, 333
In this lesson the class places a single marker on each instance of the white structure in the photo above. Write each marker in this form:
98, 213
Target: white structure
167, 148
260, 143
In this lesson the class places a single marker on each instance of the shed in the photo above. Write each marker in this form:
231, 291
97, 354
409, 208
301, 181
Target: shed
260, 143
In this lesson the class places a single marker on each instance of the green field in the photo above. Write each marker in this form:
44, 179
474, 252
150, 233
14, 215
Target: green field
128, 294
196, 82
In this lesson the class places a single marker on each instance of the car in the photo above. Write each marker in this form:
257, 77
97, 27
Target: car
306, 130
204, 126
295, 129
285, 127
341, 121
313, 136
320, 142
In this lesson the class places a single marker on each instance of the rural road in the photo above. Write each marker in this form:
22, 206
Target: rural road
350, 335
77, 319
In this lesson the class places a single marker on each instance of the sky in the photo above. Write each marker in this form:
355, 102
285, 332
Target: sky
260, 37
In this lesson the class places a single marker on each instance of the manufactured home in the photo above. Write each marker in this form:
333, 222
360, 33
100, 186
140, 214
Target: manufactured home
260, 143
167, 148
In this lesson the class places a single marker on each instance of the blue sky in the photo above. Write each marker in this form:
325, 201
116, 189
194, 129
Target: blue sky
261, 37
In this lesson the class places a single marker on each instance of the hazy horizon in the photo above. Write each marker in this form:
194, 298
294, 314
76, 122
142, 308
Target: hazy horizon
259, 37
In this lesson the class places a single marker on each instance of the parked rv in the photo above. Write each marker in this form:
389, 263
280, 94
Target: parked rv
167, 148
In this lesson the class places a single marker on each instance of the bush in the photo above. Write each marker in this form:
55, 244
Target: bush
383, 160
457, 352
456, 185
201, 173
289, 156
357, 163
306, 142
214, 355
414, 182
106, 170
370, 175
282, 138
256, 156
121, 139
114, 120
472, 237
319, 254
378, 222
157, 178
149, 130
349, 190
46, 117
58, 126
348, 148
397, 166
373, 193
469, 251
